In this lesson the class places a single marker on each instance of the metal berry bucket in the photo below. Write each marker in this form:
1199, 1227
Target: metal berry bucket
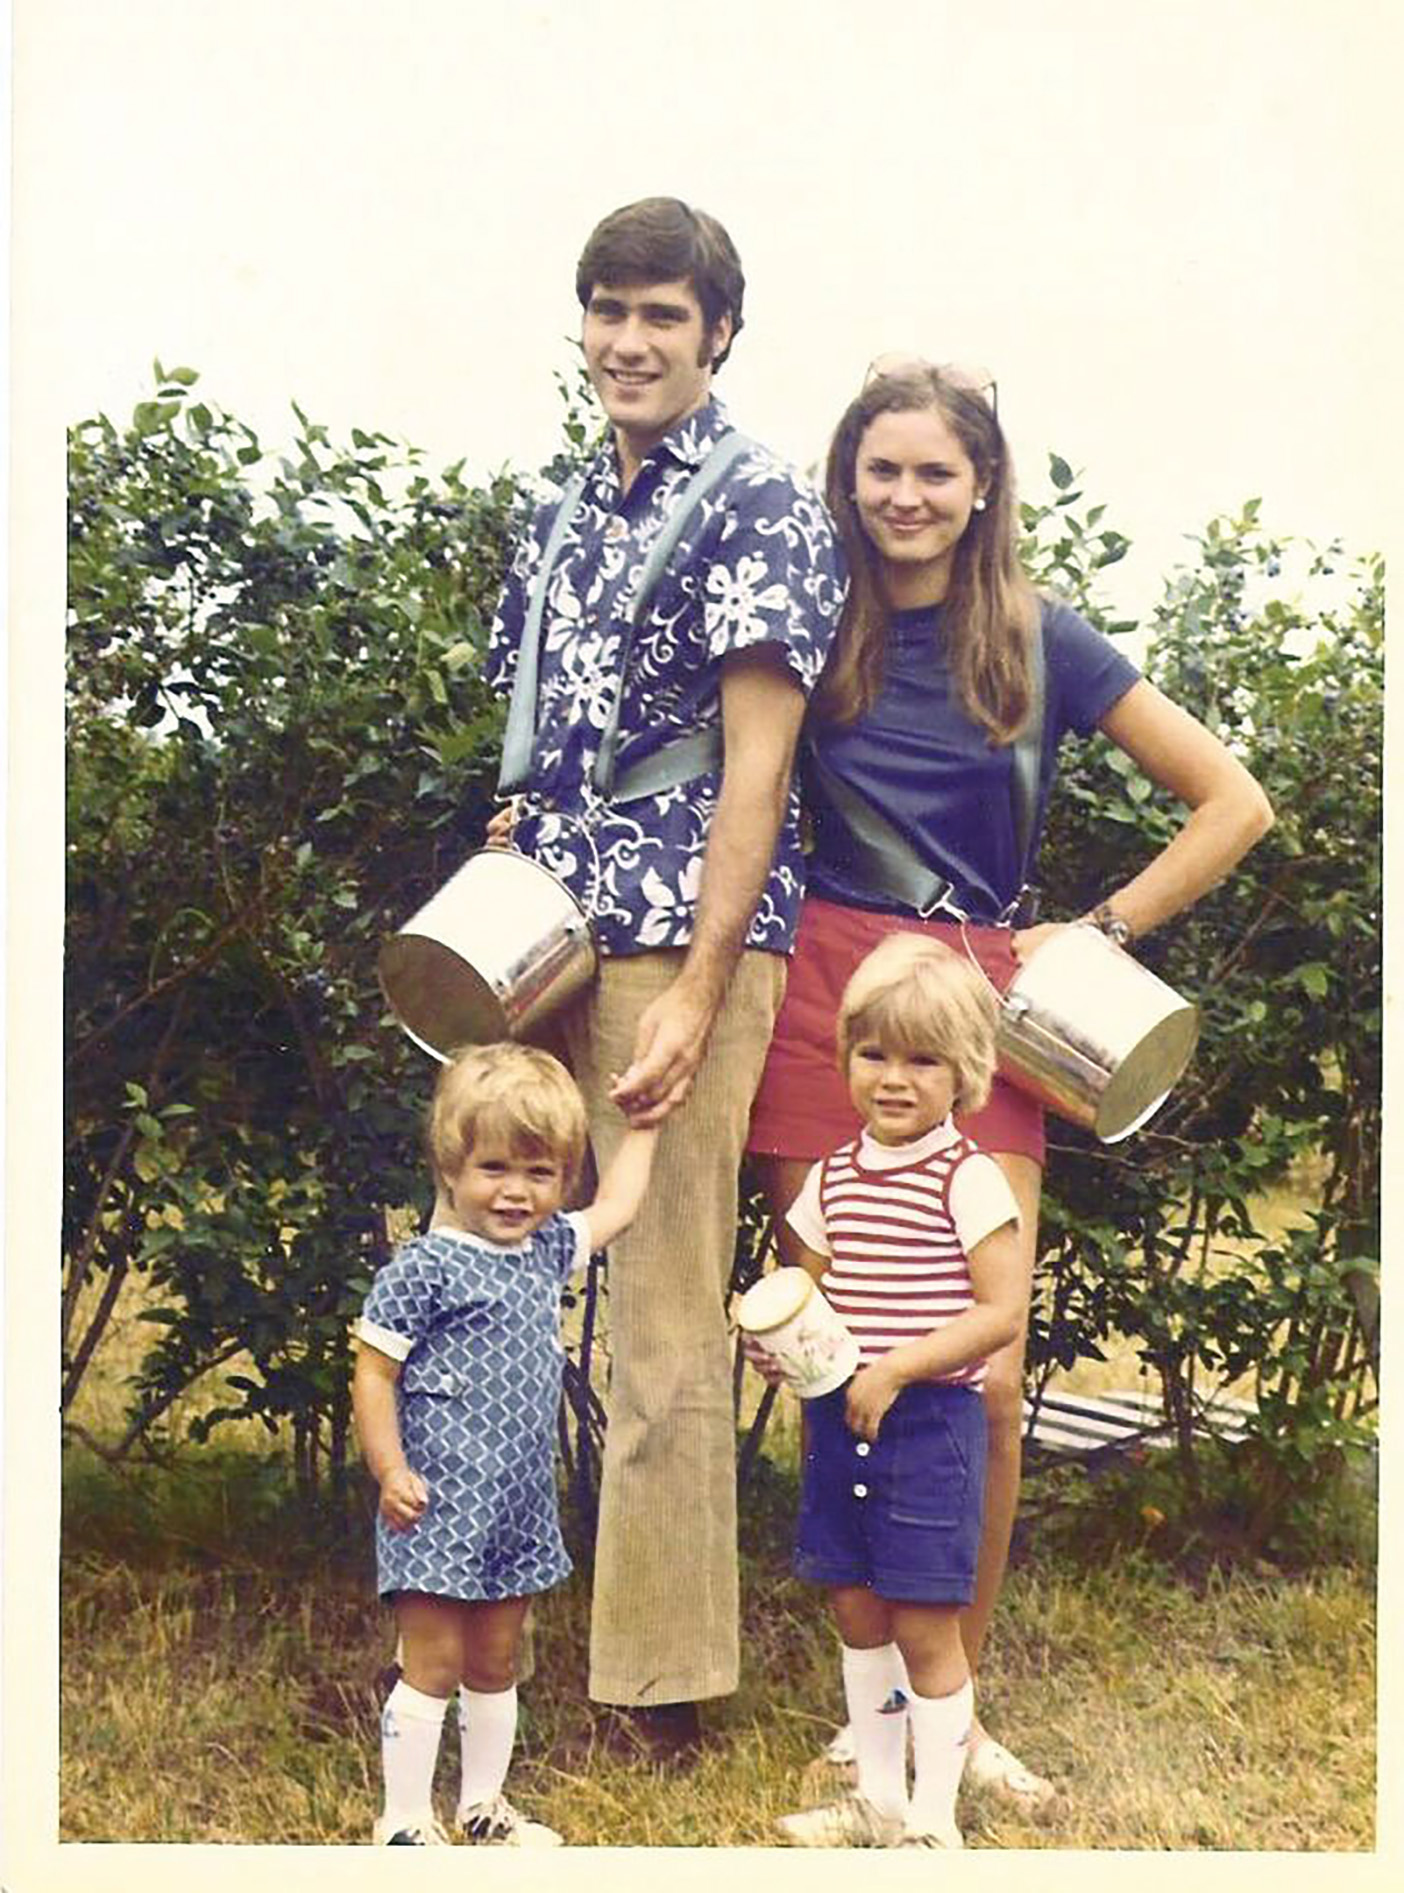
1093, 1034
500, 947
785, 1314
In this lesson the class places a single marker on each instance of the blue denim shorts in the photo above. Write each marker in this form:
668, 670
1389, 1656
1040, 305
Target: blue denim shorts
903, 1514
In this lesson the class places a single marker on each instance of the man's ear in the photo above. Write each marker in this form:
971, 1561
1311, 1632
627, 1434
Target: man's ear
718, 338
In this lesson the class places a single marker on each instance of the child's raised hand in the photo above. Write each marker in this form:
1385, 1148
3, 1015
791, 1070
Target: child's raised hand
870, 1393
404, 1498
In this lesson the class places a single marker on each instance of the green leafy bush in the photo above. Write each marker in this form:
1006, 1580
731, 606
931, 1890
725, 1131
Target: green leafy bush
280, 745
278, 742
1163, 1239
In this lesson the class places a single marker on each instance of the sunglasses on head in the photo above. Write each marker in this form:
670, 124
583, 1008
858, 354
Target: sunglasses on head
977, 381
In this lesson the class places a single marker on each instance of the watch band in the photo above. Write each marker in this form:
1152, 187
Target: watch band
1117, 930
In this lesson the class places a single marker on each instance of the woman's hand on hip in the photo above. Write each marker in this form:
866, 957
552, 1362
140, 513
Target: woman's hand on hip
1027, 940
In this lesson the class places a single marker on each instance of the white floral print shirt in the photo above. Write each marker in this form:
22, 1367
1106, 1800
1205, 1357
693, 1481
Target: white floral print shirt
757, 563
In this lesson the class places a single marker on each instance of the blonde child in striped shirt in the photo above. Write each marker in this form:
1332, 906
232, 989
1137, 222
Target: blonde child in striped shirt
910, 1230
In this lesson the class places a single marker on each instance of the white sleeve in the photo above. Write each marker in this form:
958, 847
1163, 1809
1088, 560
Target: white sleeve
383, 1340
981, 1200
805, 1216
580, 1225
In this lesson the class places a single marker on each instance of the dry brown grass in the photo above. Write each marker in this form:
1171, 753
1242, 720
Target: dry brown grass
222, 1661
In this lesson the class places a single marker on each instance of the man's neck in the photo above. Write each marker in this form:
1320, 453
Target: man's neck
631, 450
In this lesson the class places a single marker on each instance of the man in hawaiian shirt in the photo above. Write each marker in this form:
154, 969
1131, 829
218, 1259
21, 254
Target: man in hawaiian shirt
694, 889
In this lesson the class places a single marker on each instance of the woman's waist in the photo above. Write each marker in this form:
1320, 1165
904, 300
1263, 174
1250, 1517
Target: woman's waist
949, 890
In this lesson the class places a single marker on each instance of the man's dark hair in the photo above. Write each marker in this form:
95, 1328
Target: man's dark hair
663, 240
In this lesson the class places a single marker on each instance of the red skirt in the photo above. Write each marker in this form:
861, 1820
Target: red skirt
802, 1110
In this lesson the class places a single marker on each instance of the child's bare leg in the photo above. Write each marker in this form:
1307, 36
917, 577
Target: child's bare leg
432, 1642
941, 1707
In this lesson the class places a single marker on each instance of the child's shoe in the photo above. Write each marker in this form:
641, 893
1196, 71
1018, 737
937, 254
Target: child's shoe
990, 1766
950, 1837
848, 1822
425, 1832
498, 1824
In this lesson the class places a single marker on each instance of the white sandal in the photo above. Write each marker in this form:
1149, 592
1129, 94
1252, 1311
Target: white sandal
990, 1765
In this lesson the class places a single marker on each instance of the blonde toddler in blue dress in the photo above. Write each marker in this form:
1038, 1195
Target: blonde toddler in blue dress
456, 1390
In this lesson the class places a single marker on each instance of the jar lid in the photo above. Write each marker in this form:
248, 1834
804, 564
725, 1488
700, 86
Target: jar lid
773, 1300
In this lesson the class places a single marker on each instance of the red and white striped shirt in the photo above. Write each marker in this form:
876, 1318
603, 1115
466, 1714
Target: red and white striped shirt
897, 1223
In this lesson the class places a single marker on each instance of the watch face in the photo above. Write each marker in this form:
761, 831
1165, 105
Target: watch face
1112, 925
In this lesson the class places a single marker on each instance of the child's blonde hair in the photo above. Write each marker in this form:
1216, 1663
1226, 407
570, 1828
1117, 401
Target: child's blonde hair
515, 1092
914, 993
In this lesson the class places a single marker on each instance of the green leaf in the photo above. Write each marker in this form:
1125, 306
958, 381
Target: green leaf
1059, 472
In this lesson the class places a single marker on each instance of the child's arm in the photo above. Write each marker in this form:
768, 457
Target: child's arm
997, 1279
621, 1188
403, 1494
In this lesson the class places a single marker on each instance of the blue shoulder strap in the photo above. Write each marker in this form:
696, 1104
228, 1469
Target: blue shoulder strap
520, 736
1028, 757
714, 468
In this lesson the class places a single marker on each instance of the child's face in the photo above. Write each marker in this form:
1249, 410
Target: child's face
900, 1094
504, 1194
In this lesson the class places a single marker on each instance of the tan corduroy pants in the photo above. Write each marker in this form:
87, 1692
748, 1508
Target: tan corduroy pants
664, 1622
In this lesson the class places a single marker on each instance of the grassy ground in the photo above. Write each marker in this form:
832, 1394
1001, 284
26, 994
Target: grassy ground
222, 1661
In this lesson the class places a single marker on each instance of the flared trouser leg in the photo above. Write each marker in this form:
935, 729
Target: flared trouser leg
664, 1620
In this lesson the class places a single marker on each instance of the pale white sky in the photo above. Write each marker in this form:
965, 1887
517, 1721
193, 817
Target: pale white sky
1161, 224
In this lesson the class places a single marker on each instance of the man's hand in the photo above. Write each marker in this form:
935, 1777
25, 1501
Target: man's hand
668, 1048
499, 828
870, 1393
404, 1498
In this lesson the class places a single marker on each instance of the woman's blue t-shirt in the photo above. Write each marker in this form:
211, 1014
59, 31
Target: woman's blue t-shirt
926, 764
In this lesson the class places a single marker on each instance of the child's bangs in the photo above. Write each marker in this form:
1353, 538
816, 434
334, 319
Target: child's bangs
901, 1020
521, 1130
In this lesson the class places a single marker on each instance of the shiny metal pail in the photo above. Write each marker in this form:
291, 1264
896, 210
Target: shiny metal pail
500, 947
1093, 1034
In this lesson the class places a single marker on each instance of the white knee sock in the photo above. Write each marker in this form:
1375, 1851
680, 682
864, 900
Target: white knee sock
940, 1741
411, 1724
873, 1683
487, 1728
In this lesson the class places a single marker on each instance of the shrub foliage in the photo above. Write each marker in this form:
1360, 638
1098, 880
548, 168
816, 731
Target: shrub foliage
279, 745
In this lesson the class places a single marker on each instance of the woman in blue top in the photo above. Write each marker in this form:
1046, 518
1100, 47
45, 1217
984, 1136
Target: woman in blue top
928, 685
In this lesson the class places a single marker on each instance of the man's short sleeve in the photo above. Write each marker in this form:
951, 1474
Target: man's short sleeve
775, 575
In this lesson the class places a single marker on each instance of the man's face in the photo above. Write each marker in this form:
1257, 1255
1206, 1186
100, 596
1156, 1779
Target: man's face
649, 356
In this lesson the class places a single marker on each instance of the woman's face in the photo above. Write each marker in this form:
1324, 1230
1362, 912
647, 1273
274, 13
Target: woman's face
915, 489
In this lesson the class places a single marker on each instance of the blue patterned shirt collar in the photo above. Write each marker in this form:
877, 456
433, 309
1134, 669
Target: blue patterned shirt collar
686, 445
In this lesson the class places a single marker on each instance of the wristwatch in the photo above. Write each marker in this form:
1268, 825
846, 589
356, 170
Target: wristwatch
1117, 930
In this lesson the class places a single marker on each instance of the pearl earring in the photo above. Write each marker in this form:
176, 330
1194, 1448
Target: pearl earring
980, 505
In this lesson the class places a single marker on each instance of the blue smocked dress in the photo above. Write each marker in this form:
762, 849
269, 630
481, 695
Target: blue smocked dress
477, 1327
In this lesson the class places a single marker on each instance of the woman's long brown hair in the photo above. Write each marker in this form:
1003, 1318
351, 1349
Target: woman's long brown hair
991, 609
